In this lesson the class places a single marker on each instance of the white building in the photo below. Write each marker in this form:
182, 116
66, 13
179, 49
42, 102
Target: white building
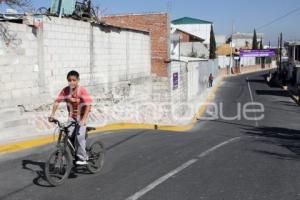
220, 39
197, 27
293, 48
186, 44
244, 40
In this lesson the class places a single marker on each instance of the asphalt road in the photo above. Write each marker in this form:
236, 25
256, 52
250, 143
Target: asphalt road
220, 159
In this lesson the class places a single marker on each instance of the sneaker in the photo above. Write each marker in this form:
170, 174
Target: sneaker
81, 162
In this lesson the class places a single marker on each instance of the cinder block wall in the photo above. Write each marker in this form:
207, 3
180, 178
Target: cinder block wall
34, 62
18, 64
192, 79
119, 58
158, 24
179, 81
65, 46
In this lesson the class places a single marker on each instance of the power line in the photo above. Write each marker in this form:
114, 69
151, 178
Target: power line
279, 18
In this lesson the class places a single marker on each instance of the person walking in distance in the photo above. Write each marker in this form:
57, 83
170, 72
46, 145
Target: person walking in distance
210, 80
298, 87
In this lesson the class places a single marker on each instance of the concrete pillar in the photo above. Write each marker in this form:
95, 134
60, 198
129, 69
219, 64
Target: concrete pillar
127, 54
41, 63
294, 52
92, 61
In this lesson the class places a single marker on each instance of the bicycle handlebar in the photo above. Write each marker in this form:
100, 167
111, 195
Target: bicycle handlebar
55, 121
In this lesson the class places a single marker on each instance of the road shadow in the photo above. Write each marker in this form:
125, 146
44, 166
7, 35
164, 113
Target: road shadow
125, 140
257, 81
272, 83
288, 103
282, 137
281, 93
39, 169
288, 109
277, 155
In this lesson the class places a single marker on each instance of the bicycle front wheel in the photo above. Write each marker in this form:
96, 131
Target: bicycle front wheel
58, 166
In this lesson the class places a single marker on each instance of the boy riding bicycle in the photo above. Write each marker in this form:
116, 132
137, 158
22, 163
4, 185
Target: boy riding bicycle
78, 103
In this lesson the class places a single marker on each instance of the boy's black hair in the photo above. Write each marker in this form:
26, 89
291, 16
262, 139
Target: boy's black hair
73, 73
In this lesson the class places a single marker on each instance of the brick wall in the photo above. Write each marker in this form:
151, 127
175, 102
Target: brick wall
184, 37
158, 26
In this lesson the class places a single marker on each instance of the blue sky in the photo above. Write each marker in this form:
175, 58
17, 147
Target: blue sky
246, 14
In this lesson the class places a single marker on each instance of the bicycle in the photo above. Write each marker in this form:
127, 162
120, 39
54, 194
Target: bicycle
61, 161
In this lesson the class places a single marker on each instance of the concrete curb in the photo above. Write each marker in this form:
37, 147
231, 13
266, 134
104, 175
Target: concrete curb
40, 141
262, 70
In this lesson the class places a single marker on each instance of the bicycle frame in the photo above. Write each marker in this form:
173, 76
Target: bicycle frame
64, 138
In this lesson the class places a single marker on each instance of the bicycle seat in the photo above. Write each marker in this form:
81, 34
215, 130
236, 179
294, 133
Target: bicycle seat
88, 129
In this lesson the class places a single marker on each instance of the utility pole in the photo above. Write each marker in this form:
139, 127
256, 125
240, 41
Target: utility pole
60, 8
261, 47
231, 46
277, 57
270, 58
280, 53
169, 7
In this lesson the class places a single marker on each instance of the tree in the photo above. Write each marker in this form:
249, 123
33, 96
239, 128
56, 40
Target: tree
263, 59
254, 41
23, 4
261, 44
212, 45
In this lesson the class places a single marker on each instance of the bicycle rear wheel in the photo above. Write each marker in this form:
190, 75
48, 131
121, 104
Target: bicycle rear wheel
58, 166
96, 153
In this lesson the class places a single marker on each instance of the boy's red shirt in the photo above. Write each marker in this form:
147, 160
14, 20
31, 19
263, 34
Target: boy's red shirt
76, 100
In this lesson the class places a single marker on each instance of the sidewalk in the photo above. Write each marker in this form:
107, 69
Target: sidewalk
293, 90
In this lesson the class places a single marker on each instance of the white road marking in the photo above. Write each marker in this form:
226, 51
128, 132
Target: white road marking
162, 179
251, 96
217, 147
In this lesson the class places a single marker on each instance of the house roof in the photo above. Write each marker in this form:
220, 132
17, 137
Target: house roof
292, 43
189, 20
246, 36
135, 14
194, 36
